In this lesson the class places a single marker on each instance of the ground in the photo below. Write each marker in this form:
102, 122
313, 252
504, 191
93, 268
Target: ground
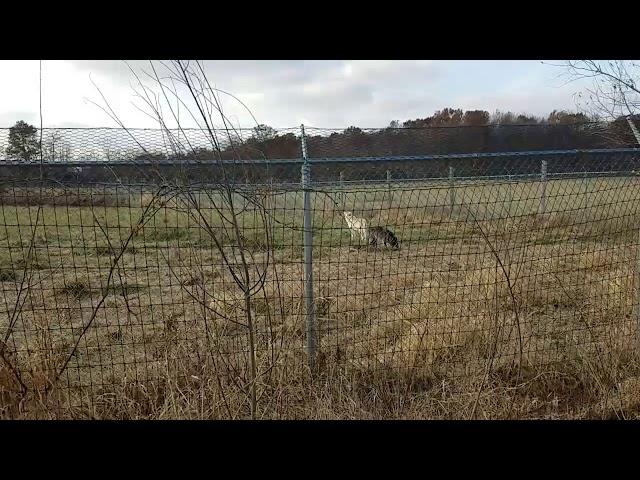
120, 303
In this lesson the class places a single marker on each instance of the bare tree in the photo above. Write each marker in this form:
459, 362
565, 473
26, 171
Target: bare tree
56, 148
612, 96
614, 90
169, 92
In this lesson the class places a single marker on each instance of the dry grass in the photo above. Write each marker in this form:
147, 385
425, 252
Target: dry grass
435, 330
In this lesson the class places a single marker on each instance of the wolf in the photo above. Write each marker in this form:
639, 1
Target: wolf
359, 227
380, 236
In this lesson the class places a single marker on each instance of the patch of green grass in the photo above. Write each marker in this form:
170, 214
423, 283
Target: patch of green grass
81, 290
105, 250
23, 264
7, 275
550, 240
166, 234
123, 290
77, 290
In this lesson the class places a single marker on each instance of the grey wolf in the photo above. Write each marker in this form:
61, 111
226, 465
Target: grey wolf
380, 236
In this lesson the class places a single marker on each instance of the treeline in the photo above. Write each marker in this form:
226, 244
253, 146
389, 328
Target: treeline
447, 131
454, 117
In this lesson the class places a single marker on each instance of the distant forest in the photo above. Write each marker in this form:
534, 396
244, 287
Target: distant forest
477, 131
447, 131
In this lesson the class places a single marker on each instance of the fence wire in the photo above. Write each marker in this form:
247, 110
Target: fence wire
502, 285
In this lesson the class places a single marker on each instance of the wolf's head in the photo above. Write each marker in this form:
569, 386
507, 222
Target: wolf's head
393, 242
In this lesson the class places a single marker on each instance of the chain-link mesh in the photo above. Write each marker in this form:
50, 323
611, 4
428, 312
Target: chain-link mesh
467, 284
150, 145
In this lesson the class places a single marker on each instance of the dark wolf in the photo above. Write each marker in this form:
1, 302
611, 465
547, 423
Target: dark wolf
380, 236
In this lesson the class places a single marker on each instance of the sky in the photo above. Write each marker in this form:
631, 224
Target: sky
286, 93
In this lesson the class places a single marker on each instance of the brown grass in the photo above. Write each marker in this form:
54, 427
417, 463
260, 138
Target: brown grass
435, 330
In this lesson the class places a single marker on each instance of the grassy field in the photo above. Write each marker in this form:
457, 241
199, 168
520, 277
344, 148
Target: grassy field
119, 303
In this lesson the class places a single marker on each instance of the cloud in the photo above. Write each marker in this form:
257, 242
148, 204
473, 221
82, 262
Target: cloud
7, 119
284, 93
18, 91
537, 96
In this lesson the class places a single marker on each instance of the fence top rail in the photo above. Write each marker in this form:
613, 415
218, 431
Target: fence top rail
454, 156
319, 160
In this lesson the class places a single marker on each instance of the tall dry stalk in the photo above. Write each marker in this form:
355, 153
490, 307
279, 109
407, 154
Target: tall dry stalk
183, 86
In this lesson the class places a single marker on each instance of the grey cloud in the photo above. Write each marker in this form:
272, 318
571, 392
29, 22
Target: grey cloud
71, 124
292, 89
405, 72
7, 119
400, 108
264, 71
337, 103
117, 70
341, 92
247, 72
537, 101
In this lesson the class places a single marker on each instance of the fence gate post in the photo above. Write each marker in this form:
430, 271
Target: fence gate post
543, 196
311, 327
452, 191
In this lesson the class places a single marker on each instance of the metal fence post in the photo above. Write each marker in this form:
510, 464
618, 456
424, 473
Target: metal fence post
634, 129
389, 187
311, 327
585, 194
637, 293
509, 194
452, 191
342, 195
543, 196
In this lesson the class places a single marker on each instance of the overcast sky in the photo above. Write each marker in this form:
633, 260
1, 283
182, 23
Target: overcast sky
328, 93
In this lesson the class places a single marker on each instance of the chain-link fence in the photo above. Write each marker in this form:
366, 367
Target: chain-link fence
390, 273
